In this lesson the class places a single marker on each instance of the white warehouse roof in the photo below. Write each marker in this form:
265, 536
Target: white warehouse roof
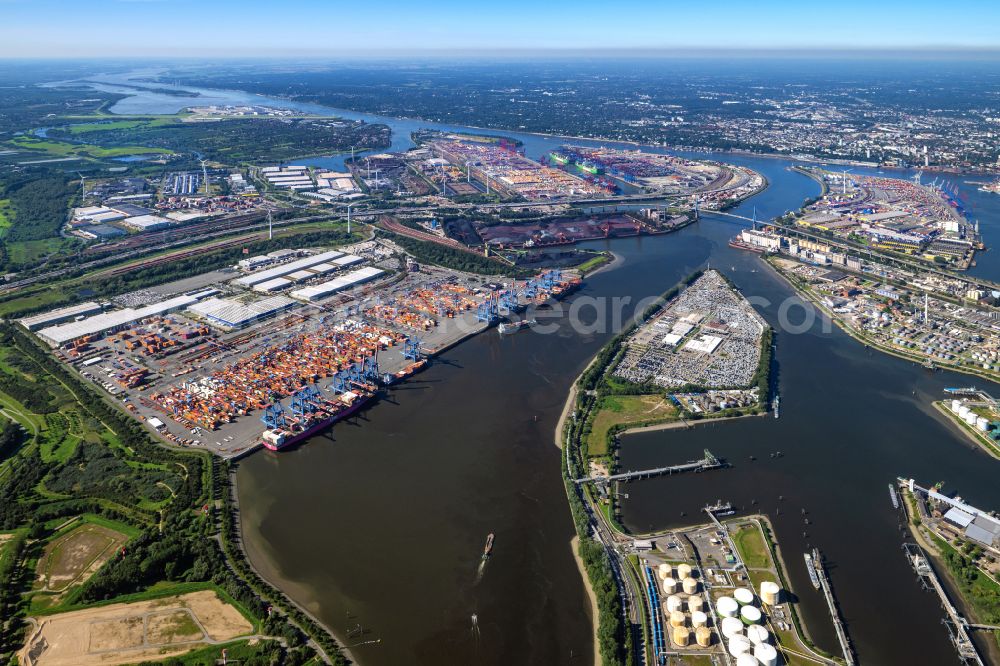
102, 323
285, 269
319, 291
62, 314
230, 312
272, 285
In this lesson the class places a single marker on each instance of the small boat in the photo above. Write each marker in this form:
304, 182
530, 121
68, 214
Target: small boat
489, 546
894, 496
777, 406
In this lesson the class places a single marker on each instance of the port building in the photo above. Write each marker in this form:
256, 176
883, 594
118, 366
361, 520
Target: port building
107, 322
230, 313
286, 269
325, 289
38, 321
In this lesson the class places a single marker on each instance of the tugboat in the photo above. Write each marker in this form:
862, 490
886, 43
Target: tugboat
489, 547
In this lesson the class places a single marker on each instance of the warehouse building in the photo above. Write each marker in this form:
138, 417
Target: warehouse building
230, 313
321, 291
36, 322
286, 269
109, 322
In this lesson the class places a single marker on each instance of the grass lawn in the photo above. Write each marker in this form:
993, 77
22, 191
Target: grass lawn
6, 215
66, 149
84, 128
594, 263
626, 410
752, 548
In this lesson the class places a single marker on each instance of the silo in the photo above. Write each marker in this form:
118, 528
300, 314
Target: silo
727, 607
682, 636
738, 645
704, 636
731, 626
669, 585
743, 595
747, 659
683, 570
674, 603
665, 570
766, 654
690, 585
770, 593
750, 614
677, 619
698, 619
758, 634
695, 603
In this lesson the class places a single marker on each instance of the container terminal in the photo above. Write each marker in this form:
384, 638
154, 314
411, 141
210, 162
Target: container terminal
273, 350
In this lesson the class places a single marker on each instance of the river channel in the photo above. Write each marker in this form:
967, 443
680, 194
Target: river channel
378, 527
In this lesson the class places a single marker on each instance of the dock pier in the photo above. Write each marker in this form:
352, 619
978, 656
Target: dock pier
958, 626
706, 463
831, 602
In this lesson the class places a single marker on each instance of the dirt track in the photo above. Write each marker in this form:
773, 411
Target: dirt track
126, 633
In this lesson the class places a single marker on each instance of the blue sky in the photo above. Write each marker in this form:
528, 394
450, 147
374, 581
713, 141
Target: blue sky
60, 28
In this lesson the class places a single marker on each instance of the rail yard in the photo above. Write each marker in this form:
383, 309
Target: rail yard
281, 345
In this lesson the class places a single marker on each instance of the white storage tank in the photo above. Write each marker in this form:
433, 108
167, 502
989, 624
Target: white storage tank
674, 603
731, 626
703, 635
665, 570
743, 596
669, 585
970, 418
683, 570
690, 585
727, 607
738, 645
982, 424
766, 654
963, 410
770, 593
758, 634
698, 619
750, 614
955, 404
696, 603
747, 659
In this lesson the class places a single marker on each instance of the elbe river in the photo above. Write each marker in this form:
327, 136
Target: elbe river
378, 526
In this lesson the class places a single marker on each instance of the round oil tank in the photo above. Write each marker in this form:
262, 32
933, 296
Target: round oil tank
731, 627
727, 607
955, 404
758, 634
669, 585
970, 418
677, 619
690, 585
743, 596
674, 603
698, 619
695, 603
682, 636
747, 659
766, 654
750, 614
683, 570
981, 424
962, 411
703, 635
738, 645
770, 592
664, 571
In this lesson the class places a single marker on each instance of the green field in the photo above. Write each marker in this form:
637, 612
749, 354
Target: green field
84, 128
750, 544
66, 149
627, 410
6, 215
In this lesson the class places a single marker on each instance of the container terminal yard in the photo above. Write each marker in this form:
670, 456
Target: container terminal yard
282, 345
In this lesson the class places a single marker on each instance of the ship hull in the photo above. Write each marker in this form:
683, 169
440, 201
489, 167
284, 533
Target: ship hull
318, 427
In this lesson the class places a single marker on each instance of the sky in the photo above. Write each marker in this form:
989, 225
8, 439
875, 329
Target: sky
249, 28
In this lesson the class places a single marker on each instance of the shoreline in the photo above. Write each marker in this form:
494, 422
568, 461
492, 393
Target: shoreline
686, 424
574, 545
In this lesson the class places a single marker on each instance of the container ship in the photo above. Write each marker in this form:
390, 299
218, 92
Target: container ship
515, 326
395, 377
328, 412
